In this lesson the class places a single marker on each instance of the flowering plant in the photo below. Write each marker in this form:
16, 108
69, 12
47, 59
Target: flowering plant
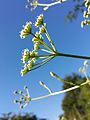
44, 52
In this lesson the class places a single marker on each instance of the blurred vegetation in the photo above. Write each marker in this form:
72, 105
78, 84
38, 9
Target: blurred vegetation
27, 116
76, 10
76, 103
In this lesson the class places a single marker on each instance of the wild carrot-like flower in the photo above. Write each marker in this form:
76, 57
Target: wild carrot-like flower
25, 55
27, 29
85, 22
30, 64
24, 98
34, 55
37, 38
36, 46
30, 57
42, 30
24, 70
39, 20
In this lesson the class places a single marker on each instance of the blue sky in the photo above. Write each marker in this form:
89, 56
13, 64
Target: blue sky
68, 38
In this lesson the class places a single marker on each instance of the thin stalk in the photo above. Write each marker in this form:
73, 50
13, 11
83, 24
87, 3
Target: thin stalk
60, 92
48, 5
63, 55
60, 79
86, 77
42, 42
41, 63
72, 55
45, 86
42, 56
49, 38
46, 51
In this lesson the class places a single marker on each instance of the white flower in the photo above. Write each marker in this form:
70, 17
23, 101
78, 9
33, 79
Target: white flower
25, 55
36, 46
27, 29
39, 20
42, 30
25, 70
34, 55
30, 64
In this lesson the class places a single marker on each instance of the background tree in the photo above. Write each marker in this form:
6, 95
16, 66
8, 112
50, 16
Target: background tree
78, 8
27, 116
76, 104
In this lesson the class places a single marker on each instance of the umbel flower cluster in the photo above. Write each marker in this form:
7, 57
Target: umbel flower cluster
44, 49
24, 97
33, 4
32, 59
86, 14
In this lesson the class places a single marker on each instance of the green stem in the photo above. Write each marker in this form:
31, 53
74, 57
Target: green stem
50, 4
41, 63
64, 55
60, 92
42, 42
71, 55
43, 56
49, 38
60, 79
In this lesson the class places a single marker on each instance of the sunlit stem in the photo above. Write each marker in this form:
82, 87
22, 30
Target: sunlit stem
87, 79
42, 56
60, 92
46, 51
45, 86
60, 79
42, 63
63, 55
48, 5
49, 38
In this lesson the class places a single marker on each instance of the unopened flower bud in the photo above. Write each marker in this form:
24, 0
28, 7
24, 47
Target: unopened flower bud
42, 30
15, 92
26, 30
21, 107
15, 101
20, 92
39, 20
25, 87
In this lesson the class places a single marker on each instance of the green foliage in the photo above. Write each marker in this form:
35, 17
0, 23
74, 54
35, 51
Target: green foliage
27, 116
76, 104
74, 12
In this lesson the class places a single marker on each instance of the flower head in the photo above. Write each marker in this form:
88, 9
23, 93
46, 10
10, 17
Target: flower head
24, 70
29, 58
42, 30
36, 46
25, 55
27, 29
24, 98
38, 38
85, 22
30, 64
39, 20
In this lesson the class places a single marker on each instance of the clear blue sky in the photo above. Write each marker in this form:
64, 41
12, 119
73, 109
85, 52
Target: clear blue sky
68, 37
